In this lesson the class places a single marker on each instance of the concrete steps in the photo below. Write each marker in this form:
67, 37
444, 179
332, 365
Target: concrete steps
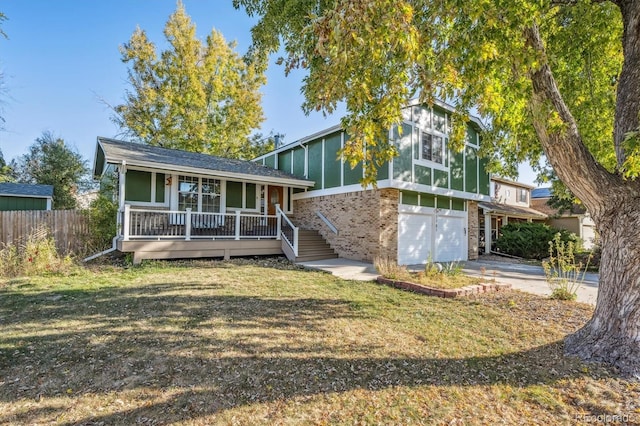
311, 246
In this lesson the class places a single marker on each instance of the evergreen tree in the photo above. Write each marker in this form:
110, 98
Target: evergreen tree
50, 162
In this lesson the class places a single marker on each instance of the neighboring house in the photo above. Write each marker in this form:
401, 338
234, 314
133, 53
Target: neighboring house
177, 204
577, 220
84, 199
24, 196
510, 202
425, 206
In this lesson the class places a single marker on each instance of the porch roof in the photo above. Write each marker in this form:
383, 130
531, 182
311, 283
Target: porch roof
112, 151
509, 210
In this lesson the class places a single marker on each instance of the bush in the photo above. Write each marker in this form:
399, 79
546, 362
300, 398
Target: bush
530, 240
35, 256
102, 219
564, 274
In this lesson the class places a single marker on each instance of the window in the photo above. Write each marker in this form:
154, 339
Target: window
188, 193
522, 195
432, 147
199, 194
210, 195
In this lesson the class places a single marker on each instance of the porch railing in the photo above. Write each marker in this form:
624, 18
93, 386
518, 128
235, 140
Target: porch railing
188, 225
288, 232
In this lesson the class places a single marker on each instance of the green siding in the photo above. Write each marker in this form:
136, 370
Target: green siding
472, 135
270, 161
332, 162
423, 174
138, 186
439, 119
457, 204
234, 194
410, 198
440, 178
471, 178
352, 176
427, 200
160, 182
284, 161
402, 163
444, 202
383, 171
315, 163
484, 183
22, 203
251, 195
457, 171
298, 162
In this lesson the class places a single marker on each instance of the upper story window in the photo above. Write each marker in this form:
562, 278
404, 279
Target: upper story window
432, 147
523, 195
430, 130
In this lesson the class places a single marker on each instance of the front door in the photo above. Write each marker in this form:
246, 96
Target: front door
275, 195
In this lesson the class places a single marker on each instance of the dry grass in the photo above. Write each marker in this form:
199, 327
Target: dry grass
441, 276
263, 343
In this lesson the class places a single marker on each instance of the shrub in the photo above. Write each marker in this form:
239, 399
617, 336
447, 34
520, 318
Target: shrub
102, 219
35, 256
564, 274
530, 240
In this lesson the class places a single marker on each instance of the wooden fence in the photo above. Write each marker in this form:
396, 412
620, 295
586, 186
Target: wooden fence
69, 228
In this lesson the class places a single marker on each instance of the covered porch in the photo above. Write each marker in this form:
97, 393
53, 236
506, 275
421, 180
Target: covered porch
493, 216
176, 204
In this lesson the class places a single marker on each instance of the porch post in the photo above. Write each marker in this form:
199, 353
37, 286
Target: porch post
487, 233
278, 222
125, 222
122, 176
187, 224
237, 224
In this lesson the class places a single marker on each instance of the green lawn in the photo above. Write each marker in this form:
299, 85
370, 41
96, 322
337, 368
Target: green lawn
261, 342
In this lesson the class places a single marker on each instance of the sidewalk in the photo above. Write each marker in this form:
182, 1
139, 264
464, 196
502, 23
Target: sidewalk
521, 277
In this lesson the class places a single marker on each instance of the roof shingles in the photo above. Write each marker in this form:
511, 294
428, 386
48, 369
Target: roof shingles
26, 190
136, 153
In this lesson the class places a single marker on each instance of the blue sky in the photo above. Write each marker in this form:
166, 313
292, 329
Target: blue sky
62, 58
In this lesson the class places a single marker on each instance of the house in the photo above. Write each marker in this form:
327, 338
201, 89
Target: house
510, 202
576, 220
425, 206
177, 204
23, 196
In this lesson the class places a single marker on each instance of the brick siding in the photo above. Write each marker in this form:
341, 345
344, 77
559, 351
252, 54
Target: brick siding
367, 222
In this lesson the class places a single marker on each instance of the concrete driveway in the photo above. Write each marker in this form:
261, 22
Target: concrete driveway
521, 277
529, 278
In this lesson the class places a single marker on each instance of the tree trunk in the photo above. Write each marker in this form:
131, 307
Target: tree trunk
613, 333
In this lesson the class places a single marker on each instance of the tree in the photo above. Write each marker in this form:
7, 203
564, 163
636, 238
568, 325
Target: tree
555, 76
50, 162
3, 89
193, 96
6, 171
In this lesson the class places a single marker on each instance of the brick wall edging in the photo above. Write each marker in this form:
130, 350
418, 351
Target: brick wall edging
445, 292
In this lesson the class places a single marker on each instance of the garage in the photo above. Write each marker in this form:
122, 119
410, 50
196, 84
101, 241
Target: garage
427, 233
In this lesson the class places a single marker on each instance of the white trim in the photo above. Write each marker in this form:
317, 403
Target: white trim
356, 187
322, 166
217, 174
342, 159
25, 196
317, 135
418, 187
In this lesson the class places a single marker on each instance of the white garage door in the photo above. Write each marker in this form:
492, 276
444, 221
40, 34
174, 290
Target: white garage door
414, 238
424, 236
450, 239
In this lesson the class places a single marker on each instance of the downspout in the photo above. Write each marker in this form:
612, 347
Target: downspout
306, 159
109, 250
